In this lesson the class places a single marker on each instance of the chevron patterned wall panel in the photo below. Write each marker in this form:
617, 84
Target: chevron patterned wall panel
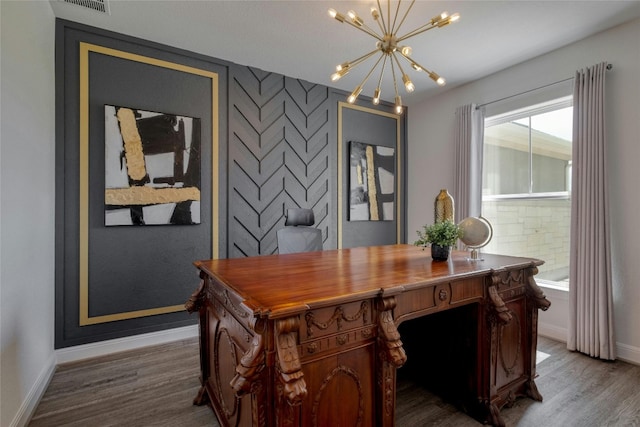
278, 157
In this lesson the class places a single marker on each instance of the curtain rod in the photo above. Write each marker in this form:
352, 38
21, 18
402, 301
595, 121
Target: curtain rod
609, 67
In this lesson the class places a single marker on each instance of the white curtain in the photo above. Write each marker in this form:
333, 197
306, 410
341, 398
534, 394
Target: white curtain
590, 294
467, 182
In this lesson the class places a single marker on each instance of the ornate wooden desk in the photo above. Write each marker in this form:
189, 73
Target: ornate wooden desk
312, 339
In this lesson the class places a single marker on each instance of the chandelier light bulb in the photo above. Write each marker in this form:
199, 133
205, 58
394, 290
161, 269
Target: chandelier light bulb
354, 95
334, 14
398, 105
376, 97
355, 18
406, 50
408, 84
436, 19
375, 13
446, 20
338, 74
436, 78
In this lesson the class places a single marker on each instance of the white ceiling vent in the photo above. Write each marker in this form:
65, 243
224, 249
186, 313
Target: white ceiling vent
101, 6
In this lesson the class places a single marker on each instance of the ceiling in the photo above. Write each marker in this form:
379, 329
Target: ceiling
299, 39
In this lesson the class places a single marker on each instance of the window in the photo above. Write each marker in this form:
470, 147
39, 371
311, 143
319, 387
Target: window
526, 185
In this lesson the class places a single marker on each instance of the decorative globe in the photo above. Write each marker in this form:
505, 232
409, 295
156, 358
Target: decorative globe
476, 233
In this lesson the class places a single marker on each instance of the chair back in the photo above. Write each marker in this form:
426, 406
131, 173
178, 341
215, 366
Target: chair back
297, 234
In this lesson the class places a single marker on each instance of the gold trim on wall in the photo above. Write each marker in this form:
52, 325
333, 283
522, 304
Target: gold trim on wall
85, 50
341, 166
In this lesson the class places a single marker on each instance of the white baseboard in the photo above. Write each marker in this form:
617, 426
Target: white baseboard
552, 331
85, 351
624, 352
30, 403
628, 353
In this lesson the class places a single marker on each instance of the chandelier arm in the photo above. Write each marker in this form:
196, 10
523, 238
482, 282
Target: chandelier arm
384, 63
393, 73
365, 30
419, 30
410, 60
406, 13
370, 31
371, 71
432, 74
363, 58
392, 28
438, 21
380, 21
383, 25
413, 62
389, 16
398, 62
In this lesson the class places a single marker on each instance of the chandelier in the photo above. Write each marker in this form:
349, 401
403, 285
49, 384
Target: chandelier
389, 47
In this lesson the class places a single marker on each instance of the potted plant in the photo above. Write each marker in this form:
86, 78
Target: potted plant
441, 235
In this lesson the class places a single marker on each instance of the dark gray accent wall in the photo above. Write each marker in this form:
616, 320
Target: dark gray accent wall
277, 149
279, 157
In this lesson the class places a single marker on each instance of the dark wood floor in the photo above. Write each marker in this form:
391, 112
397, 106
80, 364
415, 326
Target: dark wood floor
156, 385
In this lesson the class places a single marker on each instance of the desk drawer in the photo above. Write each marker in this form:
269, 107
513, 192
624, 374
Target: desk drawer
419, 301
337, 342
323, 322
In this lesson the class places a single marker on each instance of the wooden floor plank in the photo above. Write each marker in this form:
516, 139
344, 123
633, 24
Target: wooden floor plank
155, 386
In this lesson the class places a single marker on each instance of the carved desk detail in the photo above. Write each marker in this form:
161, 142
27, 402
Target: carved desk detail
389, 334
291, 374
534, 291
250, 366
498, 304
338, 317
195, 301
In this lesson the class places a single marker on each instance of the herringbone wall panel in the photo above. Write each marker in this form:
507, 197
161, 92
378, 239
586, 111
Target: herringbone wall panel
278, 157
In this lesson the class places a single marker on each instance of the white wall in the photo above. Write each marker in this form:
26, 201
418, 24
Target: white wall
26, 206
431, 135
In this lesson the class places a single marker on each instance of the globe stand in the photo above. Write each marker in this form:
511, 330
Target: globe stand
476, 234
474, 255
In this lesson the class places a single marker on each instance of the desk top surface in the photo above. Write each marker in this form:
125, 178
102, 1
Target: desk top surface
276, 285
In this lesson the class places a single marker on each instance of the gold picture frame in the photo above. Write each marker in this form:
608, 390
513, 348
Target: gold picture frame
341, 165
85, 50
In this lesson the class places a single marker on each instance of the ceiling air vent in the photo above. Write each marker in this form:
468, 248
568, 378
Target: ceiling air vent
101, 6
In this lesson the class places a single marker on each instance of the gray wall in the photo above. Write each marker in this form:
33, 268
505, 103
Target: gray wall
277, 149
27, 172
431, 151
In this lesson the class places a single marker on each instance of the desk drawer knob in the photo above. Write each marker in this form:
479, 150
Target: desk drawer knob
443, 295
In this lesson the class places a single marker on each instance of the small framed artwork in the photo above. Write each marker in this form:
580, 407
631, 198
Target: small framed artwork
152, 168
371, 182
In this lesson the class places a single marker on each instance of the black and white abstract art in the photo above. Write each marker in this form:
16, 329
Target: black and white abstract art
371, 182
152, 168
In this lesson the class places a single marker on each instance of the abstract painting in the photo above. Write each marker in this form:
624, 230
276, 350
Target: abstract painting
372, 182
152, 168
